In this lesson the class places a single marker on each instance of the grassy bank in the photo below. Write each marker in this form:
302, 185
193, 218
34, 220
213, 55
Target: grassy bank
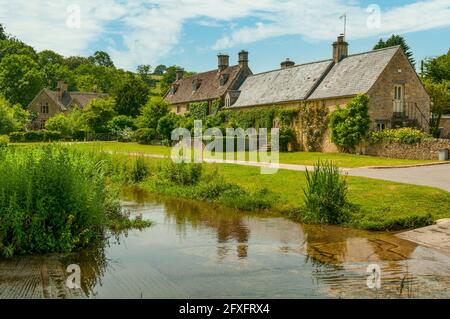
299, 158
55, 199
378, 205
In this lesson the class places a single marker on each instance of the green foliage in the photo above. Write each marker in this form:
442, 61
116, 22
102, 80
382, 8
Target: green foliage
98, 113
257, 118
3, 35
181, 174
60, 123
403, 135
438, 69
440, 96
4, 140
287, 116
167, 124
198, 110
15, 47
20, 79
131, 96
325, 195
101, 58
152, 112
121, 122
350, 125
287, 135
52, 200
314, 125
160, 69
145, 135
12, 117
393, 41
145, 73
139, 170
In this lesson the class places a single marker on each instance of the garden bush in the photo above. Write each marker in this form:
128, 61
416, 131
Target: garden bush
325, 195
402, 135
4, 140
145, 135
52, 199
17, 137
180, 173
139, 170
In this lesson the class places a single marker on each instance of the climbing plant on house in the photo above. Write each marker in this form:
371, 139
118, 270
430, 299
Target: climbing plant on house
314, 125
350, 125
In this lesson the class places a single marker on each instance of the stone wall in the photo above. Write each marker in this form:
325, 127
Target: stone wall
425, 150
445, 125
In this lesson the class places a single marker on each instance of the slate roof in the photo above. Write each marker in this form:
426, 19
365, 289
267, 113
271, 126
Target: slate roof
290, 84
355, 74
68, 98
209, 89
318, 80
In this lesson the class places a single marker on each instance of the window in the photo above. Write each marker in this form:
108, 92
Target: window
178, 109
227, 101
381, 125
44, 108
398, 99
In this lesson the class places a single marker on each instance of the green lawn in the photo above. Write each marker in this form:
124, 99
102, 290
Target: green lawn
300, 158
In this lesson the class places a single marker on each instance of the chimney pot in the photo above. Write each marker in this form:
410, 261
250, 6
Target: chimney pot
224, 61
340, 49
243, 58
287, 64
180, 74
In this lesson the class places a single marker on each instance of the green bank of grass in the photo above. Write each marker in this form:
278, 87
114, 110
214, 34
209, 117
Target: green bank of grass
378, 205
299, 158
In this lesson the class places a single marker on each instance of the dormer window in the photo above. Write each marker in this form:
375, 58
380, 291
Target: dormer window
223, 79
196, 84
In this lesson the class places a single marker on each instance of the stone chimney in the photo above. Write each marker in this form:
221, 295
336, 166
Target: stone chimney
340, 49
62, 88
287, 64
180, 74
243, 58
224, 61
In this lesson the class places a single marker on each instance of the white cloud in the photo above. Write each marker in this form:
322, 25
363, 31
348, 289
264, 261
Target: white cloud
152, 29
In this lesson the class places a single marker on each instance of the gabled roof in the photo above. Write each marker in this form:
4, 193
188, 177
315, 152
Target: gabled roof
355, 74
209, 88
68, 98
283, 85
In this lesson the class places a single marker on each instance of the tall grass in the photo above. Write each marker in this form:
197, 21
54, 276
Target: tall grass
326, 195
53, 199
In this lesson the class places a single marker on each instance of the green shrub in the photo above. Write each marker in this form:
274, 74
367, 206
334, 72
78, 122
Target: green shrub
52, 136
402, 135
34, 136
4, 140
240, 199
139, 170
287, 135
325, 195
17, 137
350, 125
181, 174
145, 136
52, 199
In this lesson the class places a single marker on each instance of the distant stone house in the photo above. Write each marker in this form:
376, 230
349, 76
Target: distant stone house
397, 96
208, 86
50, 103
445, 126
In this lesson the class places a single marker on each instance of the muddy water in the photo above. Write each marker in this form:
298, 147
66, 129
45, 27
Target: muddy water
201, 251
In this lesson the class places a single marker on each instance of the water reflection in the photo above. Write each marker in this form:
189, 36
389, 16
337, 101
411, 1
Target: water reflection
198, 250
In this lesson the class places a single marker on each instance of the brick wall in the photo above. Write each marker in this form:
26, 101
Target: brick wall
426, 150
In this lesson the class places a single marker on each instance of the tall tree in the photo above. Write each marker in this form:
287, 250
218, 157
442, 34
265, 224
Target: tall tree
438, 69
160, 69
98, 113
20, 79
145, 73
393, 41
74, 62
169, 77
131, 96
3, 35
49, 57
101, 58
152, 112
14, 46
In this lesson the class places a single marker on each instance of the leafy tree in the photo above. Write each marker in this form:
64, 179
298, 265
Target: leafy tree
145, 73
98, 113
393, 41
20, 79
131, 96
438, 69
440, 96
14, 46
74, 62
3, 35
59, 123
121, 122
49, 57
350, 125
169, 77
160, 69
167, 124
89, 77
101, 58
52, 73
152, 112
12, 117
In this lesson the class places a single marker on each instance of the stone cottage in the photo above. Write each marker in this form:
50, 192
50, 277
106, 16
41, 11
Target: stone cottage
49, 103
208, 86
397, 96
445, 126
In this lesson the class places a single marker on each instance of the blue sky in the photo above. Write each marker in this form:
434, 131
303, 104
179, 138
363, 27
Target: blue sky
190, 33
